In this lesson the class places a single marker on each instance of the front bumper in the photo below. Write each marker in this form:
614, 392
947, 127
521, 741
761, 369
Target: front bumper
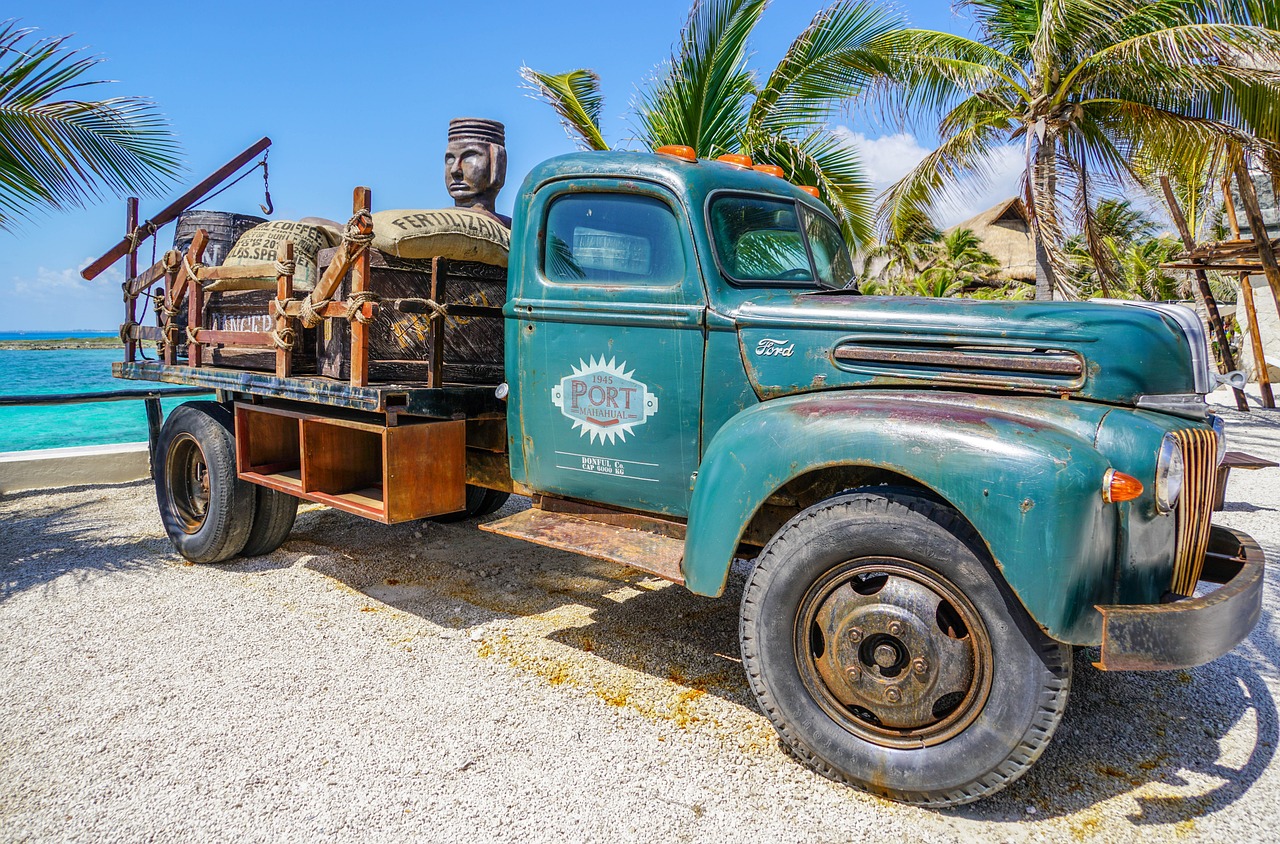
1191, 631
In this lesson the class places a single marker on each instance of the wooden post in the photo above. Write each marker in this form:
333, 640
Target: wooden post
1255, 340
1202, 284
130, 273
1267, 255
436, 323
170, 294
1232, 222
284, 293
361, 200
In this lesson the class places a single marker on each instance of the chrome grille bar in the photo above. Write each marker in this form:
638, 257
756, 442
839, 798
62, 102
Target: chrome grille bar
1195, 506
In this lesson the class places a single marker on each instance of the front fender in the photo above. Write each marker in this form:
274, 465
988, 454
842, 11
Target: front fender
1030, 487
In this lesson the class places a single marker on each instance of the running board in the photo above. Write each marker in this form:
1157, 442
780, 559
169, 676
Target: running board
599, 536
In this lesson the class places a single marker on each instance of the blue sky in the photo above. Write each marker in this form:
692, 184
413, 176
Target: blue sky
363, 95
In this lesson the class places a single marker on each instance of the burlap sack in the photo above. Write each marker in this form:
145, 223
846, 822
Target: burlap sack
453, 233
260, 244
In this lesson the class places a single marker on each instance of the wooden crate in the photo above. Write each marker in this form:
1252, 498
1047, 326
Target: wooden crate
387, 473
249, 310
409, 347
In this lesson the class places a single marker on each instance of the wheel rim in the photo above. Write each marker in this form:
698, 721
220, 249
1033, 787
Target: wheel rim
893, 652
188, 482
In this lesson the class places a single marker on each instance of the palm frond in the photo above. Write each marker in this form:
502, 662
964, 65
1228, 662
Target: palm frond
58, 151
576, 97
702, 98
842, 49
828, 162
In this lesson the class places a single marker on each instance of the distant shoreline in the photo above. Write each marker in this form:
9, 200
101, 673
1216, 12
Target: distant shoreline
46, 344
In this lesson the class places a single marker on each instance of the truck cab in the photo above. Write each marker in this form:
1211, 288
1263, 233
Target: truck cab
685, 342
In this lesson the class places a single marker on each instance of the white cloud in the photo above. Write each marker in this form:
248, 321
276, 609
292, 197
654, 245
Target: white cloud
61, 300
890, 157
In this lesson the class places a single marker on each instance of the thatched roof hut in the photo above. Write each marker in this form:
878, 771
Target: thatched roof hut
1005, 232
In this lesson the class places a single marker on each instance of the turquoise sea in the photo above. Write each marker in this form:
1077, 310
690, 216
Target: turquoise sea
67, 371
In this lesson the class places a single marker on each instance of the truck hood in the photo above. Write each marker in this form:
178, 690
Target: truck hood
1111, 352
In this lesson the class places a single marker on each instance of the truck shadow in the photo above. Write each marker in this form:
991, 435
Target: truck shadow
1181, 744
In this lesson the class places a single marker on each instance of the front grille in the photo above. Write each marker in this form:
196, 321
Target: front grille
1195, 505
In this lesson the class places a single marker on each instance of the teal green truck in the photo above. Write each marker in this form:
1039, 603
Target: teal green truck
941, 499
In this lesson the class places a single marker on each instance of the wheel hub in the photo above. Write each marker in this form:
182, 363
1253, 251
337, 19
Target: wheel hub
894, 651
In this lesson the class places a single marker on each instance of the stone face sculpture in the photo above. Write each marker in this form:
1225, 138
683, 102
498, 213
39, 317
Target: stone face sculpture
475, 164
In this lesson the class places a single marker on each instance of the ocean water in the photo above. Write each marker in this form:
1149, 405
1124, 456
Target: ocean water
31, 372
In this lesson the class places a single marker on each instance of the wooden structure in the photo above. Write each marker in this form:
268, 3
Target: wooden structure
1005, 232
1244, 257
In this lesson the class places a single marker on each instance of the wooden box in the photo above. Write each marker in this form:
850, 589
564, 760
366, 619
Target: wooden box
249, 310
408, 345
387, 473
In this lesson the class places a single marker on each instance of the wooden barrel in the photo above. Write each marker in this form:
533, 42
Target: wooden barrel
224, 229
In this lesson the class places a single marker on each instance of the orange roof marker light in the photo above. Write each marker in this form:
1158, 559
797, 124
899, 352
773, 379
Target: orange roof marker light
771, 169
742, 162
809, 189
1117, 487
679, 151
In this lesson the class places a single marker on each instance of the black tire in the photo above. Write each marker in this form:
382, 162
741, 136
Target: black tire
206, 509
889, 654
273, 516
480, 502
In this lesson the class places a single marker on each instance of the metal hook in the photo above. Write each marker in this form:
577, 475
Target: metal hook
266, 187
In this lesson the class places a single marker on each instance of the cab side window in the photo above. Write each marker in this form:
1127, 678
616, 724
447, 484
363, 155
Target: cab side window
612, 239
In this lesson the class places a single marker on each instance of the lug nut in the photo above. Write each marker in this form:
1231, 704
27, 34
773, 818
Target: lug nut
893, 695
919, 665
895, 628
855, 634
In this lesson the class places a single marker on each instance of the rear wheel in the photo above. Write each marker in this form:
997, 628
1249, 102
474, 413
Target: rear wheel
889, 655
480, 502
273, 516
207, 511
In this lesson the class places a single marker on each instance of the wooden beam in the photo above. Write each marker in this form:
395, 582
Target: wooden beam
1258, 227
361, 201
284, 293
130, 272
435, 375
252, 272
179, 205
1255, 341
244, 339
1202, 284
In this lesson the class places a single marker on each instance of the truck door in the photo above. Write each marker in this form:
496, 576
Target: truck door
610, 348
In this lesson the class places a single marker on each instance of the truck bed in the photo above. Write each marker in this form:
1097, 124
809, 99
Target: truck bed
458, 401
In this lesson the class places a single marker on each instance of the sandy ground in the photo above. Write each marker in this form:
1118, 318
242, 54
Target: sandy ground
431, 682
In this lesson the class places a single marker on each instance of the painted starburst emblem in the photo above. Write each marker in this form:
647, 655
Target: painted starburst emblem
603, 400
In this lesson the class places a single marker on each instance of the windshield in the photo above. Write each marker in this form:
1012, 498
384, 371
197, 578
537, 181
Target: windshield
771, 241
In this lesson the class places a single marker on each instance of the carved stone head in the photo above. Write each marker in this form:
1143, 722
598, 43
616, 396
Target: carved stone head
475, 163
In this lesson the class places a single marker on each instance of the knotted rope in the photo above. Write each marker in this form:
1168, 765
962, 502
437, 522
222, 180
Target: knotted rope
352, 234
437, 310
286, 267
126, 332
193, 271
284, 338
355, 305
139, 234
192, 335
311, 315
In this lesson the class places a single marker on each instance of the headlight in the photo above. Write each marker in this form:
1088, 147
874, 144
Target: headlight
1168, 475
1220, 428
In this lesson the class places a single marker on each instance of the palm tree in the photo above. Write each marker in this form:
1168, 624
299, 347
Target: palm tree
57, 150
892, 265
708, 98
1096, 92
960, 262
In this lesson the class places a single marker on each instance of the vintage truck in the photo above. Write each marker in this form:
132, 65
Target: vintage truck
942, 498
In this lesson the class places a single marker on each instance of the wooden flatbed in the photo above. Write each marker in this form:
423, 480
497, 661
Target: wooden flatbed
451, 401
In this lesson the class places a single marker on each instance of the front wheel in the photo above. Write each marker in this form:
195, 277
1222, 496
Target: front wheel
889, 655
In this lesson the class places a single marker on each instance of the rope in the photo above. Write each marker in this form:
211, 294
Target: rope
126, 332
192, 335
355, 305
437, 310
284, 338
192, 271
172, 260
170, 332
139, 234
241, 178
128, 294
311, 316
352, 234
286, 267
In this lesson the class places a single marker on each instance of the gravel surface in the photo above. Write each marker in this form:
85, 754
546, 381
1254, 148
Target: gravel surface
431, 682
